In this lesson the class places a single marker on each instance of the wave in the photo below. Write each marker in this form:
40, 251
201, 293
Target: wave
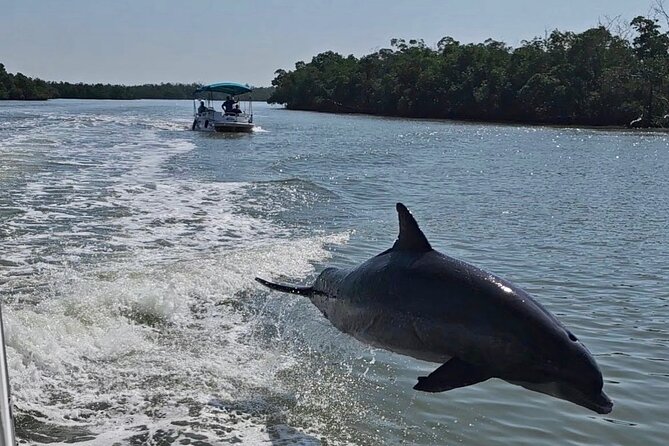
111, 347
132, 315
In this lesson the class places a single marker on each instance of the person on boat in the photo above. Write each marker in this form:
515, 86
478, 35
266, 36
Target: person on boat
228, 105
202, 108
236, 110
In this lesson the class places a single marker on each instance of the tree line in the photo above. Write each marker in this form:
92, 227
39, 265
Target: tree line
596, 77
20, 87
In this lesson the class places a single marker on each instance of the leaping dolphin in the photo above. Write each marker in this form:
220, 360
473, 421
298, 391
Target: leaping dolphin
415, 301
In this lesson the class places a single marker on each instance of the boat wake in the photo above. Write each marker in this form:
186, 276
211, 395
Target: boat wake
132, 316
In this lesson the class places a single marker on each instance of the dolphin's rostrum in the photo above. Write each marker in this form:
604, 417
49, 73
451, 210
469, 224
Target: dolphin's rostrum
418, 302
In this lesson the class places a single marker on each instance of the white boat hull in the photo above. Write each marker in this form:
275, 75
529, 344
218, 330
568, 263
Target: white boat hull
213, 121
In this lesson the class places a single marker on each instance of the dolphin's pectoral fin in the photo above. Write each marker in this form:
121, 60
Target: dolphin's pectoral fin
451, 375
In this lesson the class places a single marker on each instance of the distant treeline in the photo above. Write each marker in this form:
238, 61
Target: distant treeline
593, 78
20, 87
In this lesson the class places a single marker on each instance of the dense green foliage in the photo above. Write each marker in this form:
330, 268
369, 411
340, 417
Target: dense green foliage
147, 91
67, 90
591, 78
20, 87
23, 88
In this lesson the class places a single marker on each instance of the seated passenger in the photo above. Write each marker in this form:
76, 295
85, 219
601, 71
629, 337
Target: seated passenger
236, 110
201, 109
228, 105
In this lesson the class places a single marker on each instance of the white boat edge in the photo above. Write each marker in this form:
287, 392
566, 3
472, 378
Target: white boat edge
7, 437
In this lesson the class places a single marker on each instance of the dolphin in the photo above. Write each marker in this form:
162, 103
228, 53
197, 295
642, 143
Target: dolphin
416, 301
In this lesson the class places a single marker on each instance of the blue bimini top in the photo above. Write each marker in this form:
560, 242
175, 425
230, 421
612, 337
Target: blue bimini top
232, 88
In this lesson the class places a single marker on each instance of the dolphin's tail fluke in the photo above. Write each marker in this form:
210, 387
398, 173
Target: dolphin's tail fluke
301, 290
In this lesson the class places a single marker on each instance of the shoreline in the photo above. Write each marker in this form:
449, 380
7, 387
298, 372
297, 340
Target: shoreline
509, 123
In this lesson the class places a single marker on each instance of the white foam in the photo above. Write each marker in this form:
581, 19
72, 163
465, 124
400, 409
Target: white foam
92, 328
132, 292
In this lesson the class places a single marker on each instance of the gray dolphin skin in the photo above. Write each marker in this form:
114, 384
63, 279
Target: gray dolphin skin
415, 301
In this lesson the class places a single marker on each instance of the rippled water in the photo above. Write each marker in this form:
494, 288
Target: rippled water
129, 247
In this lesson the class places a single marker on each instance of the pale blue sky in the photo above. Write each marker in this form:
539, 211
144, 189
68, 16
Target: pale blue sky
141, 41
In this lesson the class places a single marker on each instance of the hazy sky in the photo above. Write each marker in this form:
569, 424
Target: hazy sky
146, 41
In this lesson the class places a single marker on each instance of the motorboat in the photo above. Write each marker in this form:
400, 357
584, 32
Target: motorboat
234, 116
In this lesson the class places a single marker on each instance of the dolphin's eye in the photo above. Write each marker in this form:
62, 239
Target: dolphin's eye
571, 336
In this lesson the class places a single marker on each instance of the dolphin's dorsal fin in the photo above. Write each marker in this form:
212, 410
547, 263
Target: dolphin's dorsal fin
411, 238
